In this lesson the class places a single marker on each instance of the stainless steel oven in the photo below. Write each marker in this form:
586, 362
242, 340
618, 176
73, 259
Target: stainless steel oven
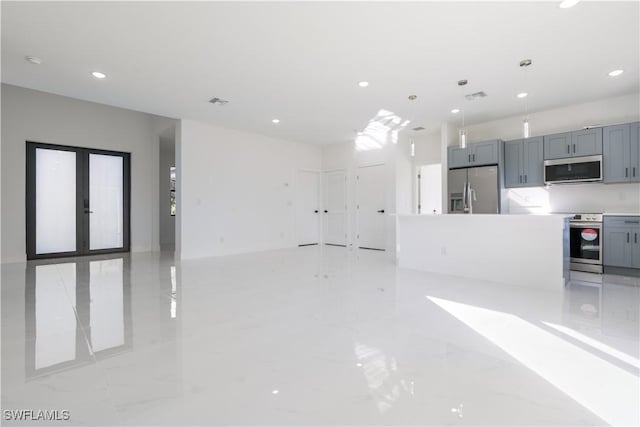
585, 243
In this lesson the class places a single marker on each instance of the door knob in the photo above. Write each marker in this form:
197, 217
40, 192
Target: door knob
381, 211
316, 211
326, 211
87, 211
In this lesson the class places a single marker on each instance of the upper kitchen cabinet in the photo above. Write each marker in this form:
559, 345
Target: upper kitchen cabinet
634, 133
477, 154
621, 148
523, 163
557, 146
458, 157
533, 162
586, 142
485, 153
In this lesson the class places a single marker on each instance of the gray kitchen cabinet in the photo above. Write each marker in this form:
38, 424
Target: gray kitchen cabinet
587, 142
621, 153
616, 158
532, 162
458, 157
485, 153
621, 244
513, 164
523, 162
634, 137
476, 154
557, 146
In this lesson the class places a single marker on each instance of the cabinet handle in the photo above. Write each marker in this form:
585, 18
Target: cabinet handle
568, 149
525, 179
520, 179
574, 148
626, 172
469, 158
627, 237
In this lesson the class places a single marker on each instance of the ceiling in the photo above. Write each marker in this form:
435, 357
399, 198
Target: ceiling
300, 62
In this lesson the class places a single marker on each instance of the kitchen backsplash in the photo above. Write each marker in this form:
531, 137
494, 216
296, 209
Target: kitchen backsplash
623, 198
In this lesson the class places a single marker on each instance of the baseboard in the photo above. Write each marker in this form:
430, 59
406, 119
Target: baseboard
622, 271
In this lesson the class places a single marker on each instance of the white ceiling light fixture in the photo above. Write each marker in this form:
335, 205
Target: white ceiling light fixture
276, 121
455, 110
98, 75
526, 131
615, 73
363, 84
462, 134
33, 59
566, 4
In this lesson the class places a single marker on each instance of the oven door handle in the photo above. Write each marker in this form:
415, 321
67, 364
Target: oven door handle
585, 225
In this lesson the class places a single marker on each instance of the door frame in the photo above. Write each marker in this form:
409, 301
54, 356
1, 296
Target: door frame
357, 200
82, 195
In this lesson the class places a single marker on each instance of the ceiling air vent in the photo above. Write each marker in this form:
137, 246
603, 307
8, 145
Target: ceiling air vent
218, 101
476, 95
418, 129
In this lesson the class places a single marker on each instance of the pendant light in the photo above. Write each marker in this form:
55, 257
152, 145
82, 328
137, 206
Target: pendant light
462, 134
526, 131
412, 143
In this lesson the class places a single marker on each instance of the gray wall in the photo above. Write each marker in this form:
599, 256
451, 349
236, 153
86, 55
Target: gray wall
29, 115
167, 222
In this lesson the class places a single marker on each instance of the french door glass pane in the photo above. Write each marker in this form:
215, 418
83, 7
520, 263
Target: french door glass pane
55, 201
106, 223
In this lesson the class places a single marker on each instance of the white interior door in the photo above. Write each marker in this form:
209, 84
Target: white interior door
335, 208
371, 207
308, 208
430, 196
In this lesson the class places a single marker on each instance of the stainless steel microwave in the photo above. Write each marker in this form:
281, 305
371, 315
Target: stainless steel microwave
573, 169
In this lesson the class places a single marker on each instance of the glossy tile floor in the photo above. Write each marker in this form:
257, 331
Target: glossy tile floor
321, 336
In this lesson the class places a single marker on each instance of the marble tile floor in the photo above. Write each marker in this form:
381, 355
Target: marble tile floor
311, 336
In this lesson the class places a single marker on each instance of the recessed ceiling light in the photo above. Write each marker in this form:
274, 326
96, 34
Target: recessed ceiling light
33, 60
566, 4
98, 75
522, 95
616, 73
363, 84
276, 121
455, 110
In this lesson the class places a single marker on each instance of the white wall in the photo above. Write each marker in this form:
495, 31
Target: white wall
236, 190
567, 198
29, 115
167, 221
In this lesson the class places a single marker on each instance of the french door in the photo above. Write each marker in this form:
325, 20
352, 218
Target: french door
78, 201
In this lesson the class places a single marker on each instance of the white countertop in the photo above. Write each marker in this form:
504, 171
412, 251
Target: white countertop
621, 214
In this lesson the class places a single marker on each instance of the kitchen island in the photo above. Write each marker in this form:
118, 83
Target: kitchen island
518, 250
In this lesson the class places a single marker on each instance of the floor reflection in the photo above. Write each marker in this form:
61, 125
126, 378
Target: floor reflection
76, 311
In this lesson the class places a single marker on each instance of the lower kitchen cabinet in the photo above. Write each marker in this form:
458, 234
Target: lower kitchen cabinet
621, 245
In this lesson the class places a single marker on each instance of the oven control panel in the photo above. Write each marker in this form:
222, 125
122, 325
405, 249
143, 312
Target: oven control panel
587, 218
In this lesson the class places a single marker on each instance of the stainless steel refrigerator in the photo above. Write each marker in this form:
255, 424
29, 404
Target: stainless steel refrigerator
474, 190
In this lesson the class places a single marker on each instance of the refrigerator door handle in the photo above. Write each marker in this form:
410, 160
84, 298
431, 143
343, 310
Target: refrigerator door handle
464, 198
